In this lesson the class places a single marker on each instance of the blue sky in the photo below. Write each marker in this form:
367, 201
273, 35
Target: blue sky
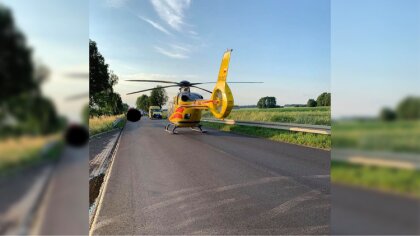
58, 33
285, 44
375, 54
374, 46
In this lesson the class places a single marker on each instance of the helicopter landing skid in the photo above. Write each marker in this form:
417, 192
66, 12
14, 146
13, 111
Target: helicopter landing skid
198, 129
169, 130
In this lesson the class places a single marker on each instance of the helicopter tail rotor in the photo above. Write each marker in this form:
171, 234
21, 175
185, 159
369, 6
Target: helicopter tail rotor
222, 95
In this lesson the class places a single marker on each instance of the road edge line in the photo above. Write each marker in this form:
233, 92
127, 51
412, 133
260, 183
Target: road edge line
92, 220
39, 216
28, 220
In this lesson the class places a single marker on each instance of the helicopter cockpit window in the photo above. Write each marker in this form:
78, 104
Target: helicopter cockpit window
187, 97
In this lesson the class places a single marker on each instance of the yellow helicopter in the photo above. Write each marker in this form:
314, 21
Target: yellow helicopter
185, 110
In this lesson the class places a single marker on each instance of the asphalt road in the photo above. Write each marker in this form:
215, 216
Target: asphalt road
357, 211
63, 209
214, 183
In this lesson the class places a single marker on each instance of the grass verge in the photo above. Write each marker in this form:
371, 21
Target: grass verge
21, 152
299, 115
400, 181
105, 123
300, 138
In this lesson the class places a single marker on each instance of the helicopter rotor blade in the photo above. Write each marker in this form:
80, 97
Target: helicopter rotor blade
245, 82
154, 81
234, 82
151, 89
201, 88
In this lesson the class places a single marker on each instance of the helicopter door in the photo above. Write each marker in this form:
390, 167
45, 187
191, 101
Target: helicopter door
171, 106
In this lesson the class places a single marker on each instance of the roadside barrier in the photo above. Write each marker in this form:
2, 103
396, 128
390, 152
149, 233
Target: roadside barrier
315, 129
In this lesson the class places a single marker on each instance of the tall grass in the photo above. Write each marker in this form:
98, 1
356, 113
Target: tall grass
104, 123
400, 136
26, 150
299, 115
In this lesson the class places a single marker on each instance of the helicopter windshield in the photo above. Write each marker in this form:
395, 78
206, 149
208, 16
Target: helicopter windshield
187, 97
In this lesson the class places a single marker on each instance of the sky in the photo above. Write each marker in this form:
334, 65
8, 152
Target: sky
375, 55
367, 52
285, 44
58, 32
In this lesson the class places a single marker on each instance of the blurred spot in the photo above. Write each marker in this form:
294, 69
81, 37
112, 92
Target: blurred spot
76, 135
133, 115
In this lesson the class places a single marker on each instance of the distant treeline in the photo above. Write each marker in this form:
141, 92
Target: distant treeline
323, 100
407, 109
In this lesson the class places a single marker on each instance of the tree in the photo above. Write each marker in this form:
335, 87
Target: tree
311, 103
114, 105
125, 107
113, 79
102, 98
85, 114
409, 108
270, 102
142, 102
261, 103
267, 102
387, 114
100, 79
21, 100
324, 99
16, 67
44, 118
158, 97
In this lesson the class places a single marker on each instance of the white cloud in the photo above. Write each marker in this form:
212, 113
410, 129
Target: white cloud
180, 48
175, 51
115, 3
192, 32
172, 12
155, 25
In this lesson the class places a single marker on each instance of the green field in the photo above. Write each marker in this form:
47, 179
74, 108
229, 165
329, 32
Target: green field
299, 115
398, 136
